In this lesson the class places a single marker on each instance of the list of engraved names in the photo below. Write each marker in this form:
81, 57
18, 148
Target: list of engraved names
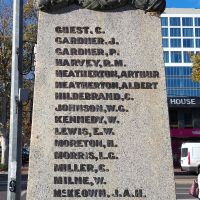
93, 86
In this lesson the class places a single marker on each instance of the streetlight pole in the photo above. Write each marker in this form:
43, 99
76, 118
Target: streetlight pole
14, 170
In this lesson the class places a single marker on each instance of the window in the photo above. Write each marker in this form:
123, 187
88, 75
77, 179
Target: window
164, 32
176, 82
175, 42
186, 57
176, 57
166, 56
198, 43
188, 118
178, 71
197, 21
165, 43
173, 118
175, 32
187, 32
179, 82
188, 43
187, 21
184, 152
196, 118
197, 32
164, 21
167, 71
175, 21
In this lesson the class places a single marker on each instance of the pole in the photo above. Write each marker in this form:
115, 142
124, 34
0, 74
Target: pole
14, 170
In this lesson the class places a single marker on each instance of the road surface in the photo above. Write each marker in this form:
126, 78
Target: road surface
183, 183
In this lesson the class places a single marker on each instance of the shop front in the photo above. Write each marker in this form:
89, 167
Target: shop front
179, 136
184, 120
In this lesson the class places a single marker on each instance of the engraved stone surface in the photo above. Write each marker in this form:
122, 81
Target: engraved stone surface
100, 123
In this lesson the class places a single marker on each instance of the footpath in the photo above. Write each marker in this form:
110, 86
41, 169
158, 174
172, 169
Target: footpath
3, 183
182, 179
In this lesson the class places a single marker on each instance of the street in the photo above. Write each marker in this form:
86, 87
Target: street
183, 182
3, 186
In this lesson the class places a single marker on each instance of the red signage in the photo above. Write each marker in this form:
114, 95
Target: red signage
185, 133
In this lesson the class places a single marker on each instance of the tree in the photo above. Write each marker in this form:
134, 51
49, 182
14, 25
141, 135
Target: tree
196, 67
5, 71
29, 37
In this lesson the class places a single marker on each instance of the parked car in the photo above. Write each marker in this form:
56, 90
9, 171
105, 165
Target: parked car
25, 155
190, 157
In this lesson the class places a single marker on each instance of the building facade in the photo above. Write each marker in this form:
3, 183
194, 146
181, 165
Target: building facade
181, 39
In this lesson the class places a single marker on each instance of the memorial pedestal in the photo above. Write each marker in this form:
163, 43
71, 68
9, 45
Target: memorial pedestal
100, 122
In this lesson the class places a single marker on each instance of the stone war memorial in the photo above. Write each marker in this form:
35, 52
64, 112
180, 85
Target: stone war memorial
100, 121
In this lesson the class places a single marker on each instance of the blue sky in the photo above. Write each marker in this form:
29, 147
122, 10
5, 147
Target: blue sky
183, 3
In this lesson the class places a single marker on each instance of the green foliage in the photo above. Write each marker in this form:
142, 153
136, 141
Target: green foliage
29, 40
5, 47
30, 22
3, 167
5, 52
196, 67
